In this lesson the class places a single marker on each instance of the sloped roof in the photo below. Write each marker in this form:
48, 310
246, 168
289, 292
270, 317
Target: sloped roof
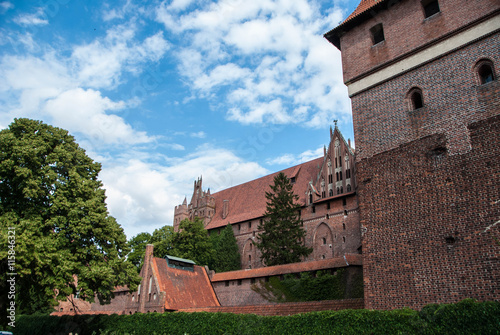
363, 12
184, 289
248, 201
332, 263
363, 6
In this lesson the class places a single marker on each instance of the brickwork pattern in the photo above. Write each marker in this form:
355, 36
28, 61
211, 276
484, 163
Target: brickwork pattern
431, 221
285, 308
452, 97
406, 33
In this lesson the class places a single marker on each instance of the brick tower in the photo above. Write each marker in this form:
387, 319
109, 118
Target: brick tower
422, 76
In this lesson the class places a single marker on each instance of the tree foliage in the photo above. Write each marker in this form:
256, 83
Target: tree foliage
192, 242
282, 235
227, 255
162, 240
137, 246
51, 196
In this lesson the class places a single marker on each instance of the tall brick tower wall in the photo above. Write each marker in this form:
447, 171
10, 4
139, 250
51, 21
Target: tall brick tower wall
426, 123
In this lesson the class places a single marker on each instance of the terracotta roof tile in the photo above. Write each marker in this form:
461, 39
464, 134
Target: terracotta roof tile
184, 288
337, 262
248, 201
363, 6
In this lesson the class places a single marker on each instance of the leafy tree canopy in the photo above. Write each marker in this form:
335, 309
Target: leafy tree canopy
282, 235
227, 255
137, 245
51, 196
192, 242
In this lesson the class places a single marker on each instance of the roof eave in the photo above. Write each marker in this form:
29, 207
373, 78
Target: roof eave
334, 35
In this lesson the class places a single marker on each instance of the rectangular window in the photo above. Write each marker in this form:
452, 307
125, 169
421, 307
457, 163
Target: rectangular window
377, 33
250, 225
431, 7
239, 282
328, 205
314, 209
226, 283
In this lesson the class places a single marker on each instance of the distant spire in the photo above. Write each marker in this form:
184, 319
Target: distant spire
185, 201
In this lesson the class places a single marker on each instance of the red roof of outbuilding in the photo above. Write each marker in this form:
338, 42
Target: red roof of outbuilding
184, 288
248, 201
332, 263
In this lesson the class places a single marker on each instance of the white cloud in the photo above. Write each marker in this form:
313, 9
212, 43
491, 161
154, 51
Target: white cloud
64, 90
267, 59
35, 19
200, 134
290, 159
84, 111
5, 6
142, 195
101, 63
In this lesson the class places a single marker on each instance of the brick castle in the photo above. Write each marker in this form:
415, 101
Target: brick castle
416, 204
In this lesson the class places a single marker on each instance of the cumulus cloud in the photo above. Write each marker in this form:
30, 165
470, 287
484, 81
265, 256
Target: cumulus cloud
267, 59
35, 19
67, 90
291, 159
142, 195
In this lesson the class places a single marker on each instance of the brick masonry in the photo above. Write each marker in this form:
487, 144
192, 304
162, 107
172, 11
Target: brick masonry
431, 221
285, 308
452, 97
405, 29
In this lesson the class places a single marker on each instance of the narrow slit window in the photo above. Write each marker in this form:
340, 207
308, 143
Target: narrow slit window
377, 33
417, 101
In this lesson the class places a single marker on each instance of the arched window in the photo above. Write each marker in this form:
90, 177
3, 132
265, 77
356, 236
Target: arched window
485, 71
415, 99
331, 192
348, 187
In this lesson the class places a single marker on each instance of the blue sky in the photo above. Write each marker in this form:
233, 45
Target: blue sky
165, 92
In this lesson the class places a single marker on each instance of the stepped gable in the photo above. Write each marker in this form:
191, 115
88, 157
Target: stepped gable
248, 201
184, 288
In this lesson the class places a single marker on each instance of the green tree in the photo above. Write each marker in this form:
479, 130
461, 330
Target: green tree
227, 255
192, 242
137, 245
162, 240
282, 235
51, 197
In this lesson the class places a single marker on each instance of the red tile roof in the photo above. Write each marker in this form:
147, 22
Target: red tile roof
332, 263
248, 201
363, 6
360, 14
184, 288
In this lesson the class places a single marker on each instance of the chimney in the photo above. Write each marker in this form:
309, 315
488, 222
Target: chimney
349, 142
225, 208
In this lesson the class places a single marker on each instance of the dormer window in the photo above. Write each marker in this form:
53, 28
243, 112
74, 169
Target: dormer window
431, 7
377, 33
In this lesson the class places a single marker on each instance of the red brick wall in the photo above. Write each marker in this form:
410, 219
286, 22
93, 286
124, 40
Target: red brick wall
452, 99
431, 219
286, 308
405, 28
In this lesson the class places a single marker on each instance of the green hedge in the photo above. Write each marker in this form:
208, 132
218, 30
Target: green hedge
466, 317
